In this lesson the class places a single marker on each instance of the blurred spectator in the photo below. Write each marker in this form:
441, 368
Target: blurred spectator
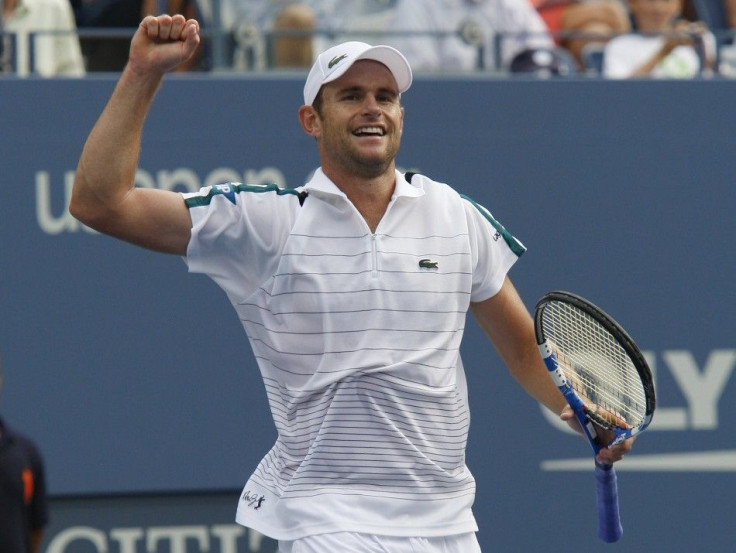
295, 50
544, 63
285, 26
718, 15
338, 21
260, 34
456, 35
664, 46
23, 508
720, 18
578, 23
56, 50
107, 53
359, 20
118, 19
264, 34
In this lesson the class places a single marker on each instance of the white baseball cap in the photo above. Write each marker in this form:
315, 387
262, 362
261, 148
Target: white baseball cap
335, 61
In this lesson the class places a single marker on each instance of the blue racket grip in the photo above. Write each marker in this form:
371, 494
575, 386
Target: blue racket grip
609, 523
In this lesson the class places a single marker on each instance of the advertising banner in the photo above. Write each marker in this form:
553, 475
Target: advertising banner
135, 377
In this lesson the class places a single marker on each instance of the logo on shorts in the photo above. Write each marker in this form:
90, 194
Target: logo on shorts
428, 264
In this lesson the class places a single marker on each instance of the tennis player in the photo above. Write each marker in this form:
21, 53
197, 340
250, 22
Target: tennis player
353, 291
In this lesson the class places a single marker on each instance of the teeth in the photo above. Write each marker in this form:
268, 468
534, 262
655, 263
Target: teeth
370, 130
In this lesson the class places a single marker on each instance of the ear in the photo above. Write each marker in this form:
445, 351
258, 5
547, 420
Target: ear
310, 121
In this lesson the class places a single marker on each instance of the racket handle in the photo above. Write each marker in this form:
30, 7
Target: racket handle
609, 523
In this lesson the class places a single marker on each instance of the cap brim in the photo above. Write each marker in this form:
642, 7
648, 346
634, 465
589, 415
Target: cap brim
388, 56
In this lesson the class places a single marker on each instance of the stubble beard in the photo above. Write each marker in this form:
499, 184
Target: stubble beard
368, 166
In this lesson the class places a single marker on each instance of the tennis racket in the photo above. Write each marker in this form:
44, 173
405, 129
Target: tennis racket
604, 378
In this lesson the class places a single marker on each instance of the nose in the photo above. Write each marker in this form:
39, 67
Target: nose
370, 104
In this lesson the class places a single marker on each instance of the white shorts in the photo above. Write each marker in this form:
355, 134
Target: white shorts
341, 542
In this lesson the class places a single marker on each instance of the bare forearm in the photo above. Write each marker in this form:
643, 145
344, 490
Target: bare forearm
529, 371
107, 166
106, 170
510, 327
533, 377
104, 196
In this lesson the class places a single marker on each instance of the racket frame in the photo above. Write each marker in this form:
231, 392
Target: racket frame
571, 396
609, 523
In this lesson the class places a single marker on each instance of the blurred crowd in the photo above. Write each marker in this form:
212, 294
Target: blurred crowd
612, 38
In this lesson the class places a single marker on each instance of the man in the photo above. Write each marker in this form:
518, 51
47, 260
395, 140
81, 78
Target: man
353, 291
23, 508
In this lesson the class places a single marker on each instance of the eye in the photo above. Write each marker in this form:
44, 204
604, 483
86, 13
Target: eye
349, 95
387, 97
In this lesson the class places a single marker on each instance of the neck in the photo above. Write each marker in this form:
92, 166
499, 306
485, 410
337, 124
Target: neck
370, 196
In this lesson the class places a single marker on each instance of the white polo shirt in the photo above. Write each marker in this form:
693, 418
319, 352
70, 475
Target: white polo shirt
357, 336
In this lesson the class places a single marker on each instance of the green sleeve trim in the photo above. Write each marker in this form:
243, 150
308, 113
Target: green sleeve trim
516, 246
229, 190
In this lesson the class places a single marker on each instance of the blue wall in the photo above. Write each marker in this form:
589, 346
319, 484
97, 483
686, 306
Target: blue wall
134, 376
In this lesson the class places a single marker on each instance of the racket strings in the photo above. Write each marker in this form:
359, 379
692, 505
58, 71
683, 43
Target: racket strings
596, 365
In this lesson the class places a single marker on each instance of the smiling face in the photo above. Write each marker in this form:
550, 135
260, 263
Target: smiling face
357, 122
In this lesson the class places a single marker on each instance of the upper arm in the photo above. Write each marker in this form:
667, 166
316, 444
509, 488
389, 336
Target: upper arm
154, 219
510, 327
507, 322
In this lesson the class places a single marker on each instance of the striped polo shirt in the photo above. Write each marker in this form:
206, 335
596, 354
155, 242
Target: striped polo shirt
357, 338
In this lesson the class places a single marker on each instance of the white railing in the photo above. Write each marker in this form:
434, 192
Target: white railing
247, 48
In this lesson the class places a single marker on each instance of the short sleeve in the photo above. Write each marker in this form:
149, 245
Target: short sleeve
237, 233
494, 251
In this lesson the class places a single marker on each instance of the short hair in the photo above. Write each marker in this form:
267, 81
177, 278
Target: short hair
318, 101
